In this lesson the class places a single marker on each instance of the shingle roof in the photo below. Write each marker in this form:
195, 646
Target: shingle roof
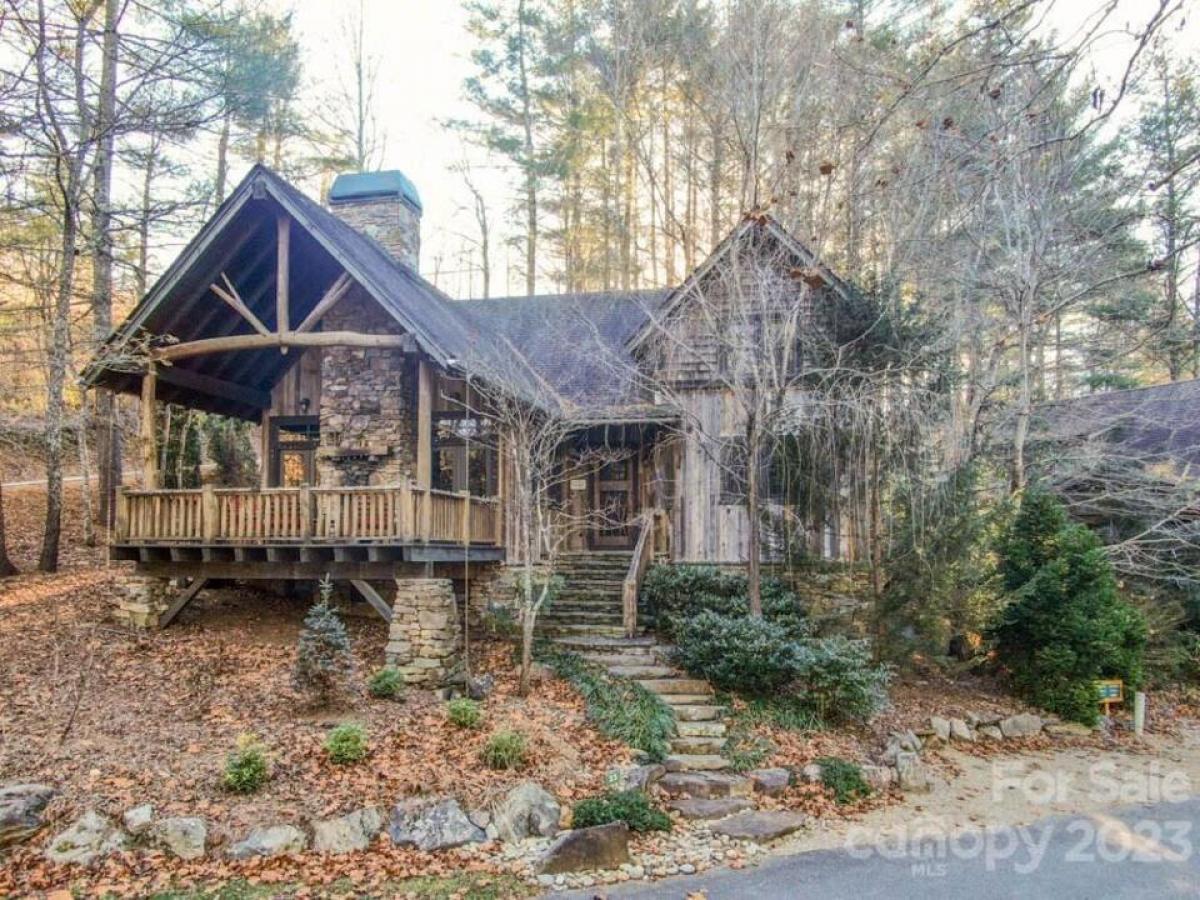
1156, 423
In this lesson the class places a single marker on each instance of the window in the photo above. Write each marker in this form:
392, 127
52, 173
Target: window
464, 454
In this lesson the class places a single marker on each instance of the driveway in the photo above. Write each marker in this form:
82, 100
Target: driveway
1140, 851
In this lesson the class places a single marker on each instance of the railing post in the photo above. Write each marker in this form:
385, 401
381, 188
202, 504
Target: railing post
208, 513
466, 517
121, 520
426, 515
307, 513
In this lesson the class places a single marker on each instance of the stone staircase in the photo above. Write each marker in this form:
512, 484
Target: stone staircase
590, 604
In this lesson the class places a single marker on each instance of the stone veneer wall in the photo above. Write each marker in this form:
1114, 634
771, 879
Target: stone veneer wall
390, 221
141, 600
424, 639
368, 402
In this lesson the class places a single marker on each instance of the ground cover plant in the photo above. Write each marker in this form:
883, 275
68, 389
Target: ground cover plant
633, 808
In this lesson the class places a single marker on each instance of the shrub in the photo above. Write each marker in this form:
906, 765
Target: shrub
744, 749
838, 680
677, 594
844, 778
323, 659
346, 744
1065, 626
504, 750
464, 713
387, 684
246, 768
620, 708
631, 807
738, 653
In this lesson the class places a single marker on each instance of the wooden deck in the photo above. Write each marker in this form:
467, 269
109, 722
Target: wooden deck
393, 515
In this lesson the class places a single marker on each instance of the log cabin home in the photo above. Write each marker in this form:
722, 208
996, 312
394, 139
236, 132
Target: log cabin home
312, 321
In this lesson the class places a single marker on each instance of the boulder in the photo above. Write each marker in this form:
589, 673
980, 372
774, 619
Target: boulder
989, 733
353, 831
634, 778
907, 740
975, 719
525, 811
705, 784
182, 836
137, 819
480, 686
961, 731
760, 825
600, 847
92, 835
880, 778
771, 782
274, 840
717, 808
911, 774
432, 824
1021, 725
21, 807
811, 773
940, 727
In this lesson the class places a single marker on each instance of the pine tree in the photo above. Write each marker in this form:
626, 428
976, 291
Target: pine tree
323, 659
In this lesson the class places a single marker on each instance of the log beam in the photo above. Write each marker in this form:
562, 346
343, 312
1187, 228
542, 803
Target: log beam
206, 384
369, 594
336, 292
235, 342
229, 294
283, 227
149, 429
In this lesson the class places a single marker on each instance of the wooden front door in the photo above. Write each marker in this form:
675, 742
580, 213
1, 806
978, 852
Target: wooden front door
614, 504
294, 442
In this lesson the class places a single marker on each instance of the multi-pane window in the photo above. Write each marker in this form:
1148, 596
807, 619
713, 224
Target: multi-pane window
464, 454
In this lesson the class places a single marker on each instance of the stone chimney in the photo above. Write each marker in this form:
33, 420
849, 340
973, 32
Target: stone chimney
384, 206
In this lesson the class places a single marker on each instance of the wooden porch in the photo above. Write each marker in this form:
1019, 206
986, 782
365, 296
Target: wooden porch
394, 516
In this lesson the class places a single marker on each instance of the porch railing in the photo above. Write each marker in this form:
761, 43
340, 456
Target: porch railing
401, 513
651, 531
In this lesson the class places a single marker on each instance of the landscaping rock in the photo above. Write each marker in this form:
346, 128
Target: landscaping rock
989, 733
183, 836
526, 810
975, 719
92, 835
432, 824
907, 740
1021, 725
911, 774
705, 784
760, 825
811, 773
940, 727
273, 840
635, 778
771, 782
480, 686
21, 808
600, 847
716, 808
137, 819
353, 831
961, 731
880, 778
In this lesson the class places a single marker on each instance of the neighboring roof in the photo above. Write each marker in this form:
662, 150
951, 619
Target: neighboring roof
1151, 424
365, 185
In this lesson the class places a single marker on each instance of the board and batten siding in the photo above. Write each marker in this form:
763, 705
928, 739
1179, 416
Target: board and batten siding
301, 382
706, 529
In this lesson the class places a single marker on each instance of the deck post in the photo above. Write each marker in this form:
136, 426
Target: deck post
307, 511
426, 526
208, 513
466, 518
149, 429
424, 425
121, 516
264, 475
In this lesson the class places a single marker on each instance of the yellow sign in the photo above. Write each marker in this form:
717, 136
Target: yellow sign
1110, 691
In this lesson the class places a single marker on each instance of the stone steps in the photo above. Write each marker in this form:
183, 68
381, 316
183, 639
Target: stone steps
575, 629
695, 762
699, 713
651, 671
698, 745
585, 643
686, 699
677, 686
700, 729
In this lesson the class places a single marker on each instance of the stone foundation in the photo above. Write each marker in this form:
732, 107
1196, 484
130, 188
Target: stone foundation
141, 600
425, 638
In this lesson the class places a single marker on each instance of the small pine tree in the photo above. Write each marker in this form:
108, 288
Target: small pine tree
1066, 625
323, 659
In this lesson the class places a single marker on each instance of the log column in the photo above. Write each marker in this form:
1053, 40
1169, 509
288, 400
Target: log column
148, 430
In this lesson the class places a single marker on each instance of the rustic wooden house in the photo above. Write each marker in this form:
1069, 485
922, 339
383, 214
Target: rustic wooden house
312, 321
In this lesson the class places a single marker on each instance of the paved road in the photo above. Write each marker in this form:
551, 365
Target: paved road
1144, 851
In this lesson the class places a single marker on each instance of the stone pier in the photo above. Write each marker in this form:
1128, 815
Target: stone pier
141, 600
425, 638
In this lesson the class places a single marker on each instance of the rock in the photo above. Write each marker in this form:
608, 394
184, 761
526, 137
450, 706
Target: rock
91, 836
21, 808
1068, 729
715, 808
273, 840
1021, 725
600, 847
911, 773
989, 733
137, 819
880, 778
432, 824
705, 784
771, 782
183, 836
480, 817
975, 719
760, 825
961, 731
811, 773
480, 686
940, 727
634, 778
525, 811
353, 831
907, 740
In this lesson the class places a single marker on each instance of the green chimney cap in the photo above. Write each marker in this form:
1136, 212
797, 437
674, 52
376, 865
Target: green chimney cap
367, 185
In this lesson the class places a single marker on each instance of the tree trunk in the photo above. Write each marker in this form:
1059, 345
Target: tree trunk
223, 157
6, 565
754, 525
